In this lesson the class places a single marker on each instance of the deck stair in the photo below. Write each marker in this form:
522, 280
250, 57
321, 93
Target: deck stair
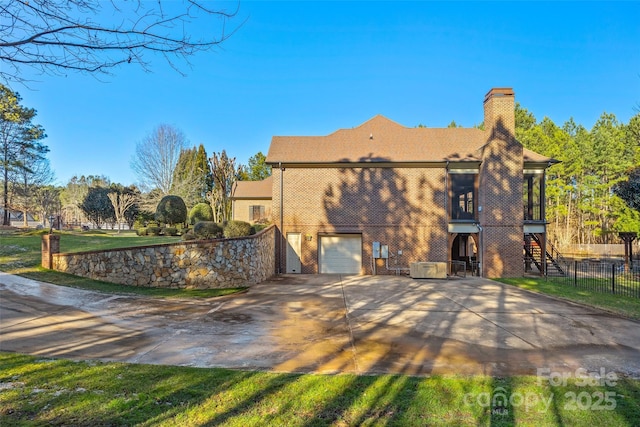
553, 260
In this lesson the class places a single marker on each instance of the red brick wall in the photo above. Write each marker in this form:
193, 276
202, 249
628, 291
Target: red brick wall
500, 190
400, 207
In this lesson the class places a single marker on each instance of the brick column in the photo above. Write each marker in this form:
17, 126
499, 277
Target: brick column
500, 192
50, 246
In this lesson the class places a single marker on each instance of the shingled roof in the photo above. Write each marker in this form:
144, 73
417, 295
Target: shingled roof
380, 140
253, 189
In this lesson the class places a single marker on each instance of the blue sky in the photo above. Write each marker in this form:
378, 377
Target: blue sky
310, 68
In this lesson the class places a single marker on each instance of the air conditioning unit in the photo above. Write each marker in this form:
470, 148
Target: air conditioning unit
428, 270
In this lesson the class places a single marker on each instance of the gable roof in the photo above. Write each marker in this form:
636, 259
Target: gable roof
253, 189
380, 140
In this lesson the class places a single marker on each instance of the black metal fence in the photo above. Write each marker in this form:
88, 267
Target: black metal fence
606, 277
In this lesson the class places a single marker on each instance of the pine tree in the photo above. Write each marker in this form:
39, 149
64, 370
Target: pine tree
20, 143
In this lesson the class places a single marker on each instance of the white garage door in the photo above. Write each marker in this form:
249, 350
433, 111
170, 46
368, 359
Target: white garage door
341, 254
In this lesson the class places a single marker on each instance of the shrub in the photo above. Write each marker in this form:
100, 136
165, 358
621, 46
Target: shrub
207, 230
170, 231
141, 231
171, 210
200, 212
256, 228
144, 216
189, 235
237, 229
154, 231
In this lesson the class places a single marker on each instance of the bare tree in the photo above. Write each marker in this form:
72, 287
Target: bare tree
156, 158
121, 202
47, 200
95, 36
225, 176
70, 197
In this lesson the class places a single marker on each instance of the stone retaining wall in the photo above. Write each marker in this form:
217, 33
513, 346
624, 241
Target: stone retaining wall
220, 263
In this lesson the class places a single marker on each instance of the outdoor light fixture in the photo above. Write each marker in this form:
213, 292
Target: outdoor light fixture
308, 237
50, 224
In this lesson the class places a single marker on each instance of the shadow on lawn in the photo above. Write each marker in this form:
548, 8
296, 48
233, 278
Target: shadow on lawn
89, 393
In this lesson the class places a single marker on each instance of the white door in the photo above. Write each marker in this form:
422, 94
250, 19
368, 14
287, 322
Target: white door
341, 254
294, 244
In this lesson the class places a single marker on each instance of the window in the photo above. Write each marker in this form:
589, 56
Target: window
256, 213
532, 195
463, 196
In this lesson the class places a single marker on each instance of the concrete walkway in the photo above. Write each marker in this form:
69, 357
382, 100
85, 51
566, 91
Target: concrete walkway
325, 324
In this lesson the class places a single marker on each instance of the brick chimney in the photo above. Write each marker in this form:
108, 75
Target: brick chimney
500, 188
499, 112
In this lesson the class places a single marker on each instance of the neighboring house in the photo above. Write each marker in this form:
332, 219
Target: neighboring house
251, 201
426, 194
17, 218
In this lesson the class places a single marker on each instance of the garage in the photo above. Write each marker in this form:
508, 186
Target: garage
341, 254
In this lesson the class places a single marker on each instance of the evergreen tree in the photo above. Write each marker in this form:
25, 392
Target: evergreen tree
97, 207
20, 145
581, 204
629, 190
257, 169
192, 178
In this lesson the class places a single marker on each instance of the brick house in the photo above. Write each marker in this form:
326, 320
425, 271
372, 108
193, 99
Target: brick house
419, 194
251, 201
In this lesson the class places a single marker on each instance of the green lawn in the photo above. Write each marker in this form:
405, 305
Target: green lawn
40, 391
20, 254
623, 305
20, 250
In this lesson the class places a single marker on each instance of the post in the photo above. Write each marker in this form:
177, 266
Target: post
628, 238
282, 237
575, 273
613, 278
50, 246
543, 252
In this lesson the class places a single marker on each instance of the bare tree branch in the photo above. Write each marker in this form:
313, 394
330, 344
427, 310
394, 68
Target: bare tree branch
93, 36
156, 158
225, 174
121, 202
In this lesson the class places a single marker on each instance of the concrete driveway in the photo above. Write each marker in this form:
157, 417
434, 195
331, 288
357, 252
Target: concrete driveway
325, 324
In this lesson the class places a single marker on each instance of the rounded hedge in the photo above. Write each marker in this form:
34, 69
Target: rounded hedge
237, 229
256, 228
154, 231
171, 210
207, 230
189, 235
200, 212
170, 231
